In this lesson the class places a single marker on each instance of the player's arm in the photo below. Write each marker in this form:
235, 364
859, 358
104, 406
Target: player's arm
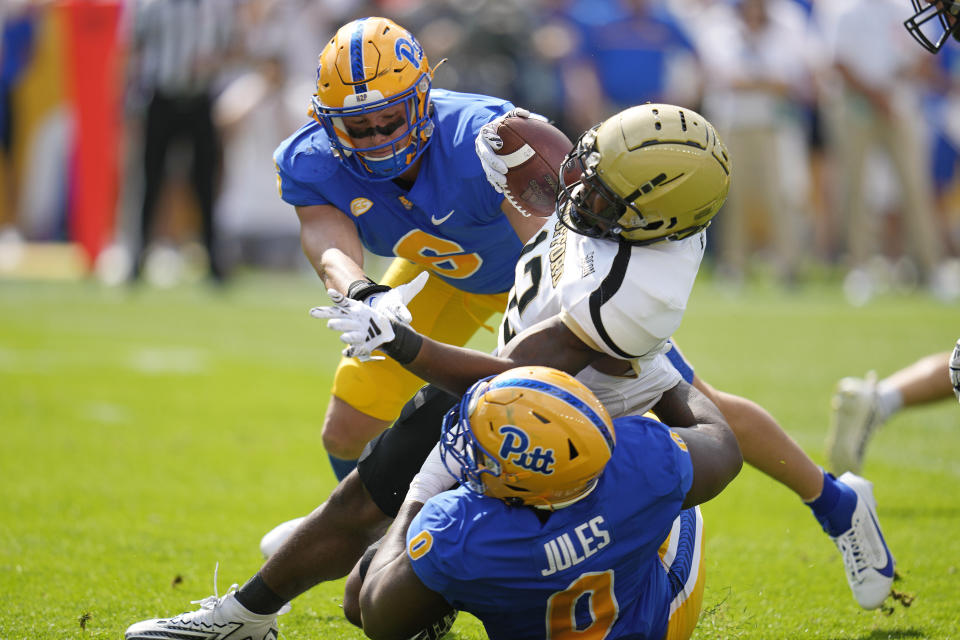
394, 602
524, 226
550, 343
713, 448
331, 243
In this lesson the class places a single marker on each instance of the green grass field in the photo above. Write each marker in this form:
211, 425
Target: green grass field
148, 435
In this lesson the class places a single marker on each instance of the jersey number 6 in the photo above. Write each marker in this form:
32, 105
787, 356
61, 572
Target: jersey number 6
445, 257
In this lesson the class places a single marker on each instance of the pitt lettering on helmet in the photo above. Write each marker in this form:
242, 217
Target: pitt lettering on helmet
359, 206
567, 550
514, 448
412, 51
420, 545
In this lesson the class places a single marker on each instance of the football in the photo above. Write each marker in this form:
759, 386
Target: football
533, 151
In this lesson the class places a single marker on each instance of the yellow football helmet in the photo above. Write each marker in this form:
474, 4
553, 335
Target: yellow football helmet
372, 64
529, 436
650, 173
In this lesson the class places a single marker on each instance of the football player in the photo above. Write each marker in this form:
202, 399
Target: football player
860, 406
599, 291
934, 22
556, 501
388, 164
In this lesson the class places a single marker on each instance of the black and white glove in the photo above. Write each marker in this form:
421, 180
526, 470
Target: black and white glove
487, 143
362, 327
366, 327
955, 369
391, 302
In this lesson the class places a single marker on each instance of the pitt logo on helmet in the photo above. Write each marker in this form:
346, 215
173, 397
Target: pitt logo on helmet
515, 448
374, 72
531, 435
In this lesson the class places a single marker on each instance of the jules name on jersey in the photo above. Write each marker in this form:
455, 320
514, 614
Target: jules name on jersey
567, 550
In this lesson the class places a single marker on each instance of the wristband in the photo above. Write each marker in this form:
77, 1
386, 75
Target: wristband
405, 345
363, 289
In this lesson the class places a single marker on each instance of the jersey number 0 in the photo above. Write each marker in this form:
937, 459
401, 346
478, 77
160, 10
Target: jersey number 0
562, 607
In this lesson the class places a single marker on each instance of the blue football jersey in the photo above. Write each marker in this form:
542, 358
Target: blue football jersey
449, 221
593, 564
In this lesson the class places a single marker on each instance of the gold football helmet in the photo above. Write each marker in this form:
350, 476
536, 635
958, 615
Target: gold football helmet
372, 64
650, 173
529, 436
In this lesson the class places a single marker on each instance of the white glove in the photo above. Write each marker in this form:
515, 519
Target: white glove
433, 478
487, 143
955, 369
363, 328
393, 303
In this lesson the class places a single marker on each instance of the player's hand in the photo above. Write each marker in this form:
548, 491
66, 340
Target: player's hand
955, 369
393, 303
362, 327
487, 143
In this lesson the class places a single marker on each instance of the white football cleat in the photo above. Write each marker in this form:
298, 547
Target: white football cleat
866, 557
438, 629
217, 618
854, 417
275, 538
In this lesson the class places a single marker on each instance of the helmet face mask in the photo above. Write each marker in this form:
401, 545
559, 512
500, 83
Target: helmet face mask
650, 173
530, 436
372, 66
933, 23
587, 206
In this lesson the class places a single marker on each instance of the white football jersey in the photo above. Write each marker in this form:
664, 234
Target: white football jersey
623, 300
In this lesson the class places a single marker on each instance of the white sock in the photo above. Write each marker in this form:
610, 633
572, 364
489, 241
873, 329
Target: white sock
889, 400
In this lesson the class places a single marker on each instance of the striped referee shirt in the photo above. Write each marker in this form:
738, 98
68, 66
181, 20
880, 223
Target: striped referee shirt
181, 44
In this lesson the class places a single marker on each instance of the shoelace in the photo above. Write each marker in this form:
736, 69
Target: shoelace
211, 602
854, 559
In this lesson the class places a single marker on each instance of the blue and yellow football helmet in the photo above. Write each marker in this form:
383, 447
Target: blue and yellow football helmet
372, 64
530, 436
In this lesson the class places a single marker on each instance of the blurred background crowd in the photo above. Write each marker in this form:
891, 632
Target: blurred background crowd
146, 127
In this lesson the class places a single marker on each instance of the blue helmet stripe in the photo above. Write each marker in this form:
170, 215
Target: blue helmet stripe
356, 57
566, 396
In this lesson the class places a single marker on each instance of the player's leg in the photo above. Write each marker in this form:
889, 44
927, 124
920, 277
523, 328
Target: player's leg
329, 542
159, 128
926, 380
862, 405
351, 600
355, 414
843, 506
764, 444
682, 557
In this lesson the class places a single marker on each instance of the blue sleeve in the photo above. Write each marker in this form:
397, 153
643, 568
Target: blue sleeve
461, 116
303, 162
680, 363
655, 457
433, 542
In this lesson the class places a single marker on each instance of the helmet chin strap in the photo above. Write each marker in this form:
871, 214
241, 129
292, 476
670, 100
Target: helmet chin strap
560, 505
385, 166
